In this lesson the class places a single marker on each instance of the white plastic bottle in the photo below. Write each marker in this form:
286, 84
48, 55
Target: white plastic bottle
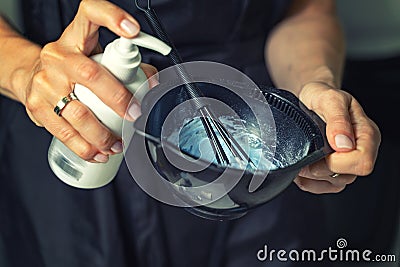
121, 58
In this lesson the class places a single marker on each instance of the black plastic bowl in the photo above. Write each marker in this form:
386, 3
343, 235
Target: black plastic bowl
296, 127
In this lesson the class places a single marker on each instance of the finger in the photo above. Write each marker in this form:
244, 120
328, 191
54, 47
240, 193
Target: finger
50, 85
333, 106
100, 81
64, 66
317, 186
82, 33
339, 129
320, 171
357, 162
316, 170
89, 127
43, 93
64, 132
48, 88
134, 110
360, 161
151, 73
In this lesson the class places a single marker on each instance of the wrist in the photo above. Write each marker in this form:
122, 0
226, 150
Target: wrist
322, 77
22, 74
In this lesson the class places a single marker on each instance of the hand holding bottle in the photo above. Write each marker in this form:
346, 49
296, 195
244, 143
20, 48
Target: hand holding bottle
66, 62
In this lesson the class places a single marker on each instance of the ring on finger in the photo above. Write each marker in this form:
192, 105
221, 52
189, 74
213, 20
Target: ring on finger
334, 175
63, 103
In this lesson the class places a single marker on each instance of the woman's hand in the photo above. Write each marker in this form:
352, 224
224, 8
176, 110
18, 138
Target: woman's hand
64, 63
354, 137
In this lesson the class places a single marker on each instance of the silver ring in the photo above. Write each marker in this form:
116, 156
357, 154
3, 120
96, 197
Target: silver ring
334, 175
63, 102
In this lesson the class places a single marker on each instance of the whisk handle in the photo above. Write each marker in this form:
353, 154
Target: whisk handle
175, 59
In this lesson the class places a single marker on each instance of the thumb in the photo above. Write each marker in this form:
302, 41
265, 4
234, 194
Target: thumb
339, 129
151, 74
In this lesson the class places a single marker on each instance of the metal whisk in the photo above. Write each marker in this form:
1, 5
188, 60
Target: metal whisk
216, 132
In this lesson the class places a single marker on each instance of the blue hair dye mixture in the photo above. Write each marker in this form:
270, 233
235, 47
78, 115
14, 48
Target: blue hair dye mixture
192, 139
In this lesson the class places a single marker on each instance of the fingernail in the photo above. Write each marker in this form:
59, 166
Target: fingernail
101, 158
134, 111
129, 27
117, 147
342, 141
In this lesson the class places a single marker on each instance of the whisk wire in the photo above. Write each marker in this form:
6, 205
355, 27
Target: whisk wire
143, 8
211, 123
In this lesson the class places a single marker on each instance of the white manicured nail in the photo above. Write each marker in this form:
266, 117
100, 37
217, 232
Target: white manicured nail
129, 27
101, 158
342, 141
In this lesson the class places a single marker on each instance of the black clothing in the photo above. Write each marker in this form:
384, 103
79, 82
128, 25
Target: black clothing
373, 203
44, 222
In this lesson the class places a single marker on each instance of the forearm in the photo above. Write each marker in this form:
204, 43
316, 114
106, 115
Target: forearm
306, 47
18, 57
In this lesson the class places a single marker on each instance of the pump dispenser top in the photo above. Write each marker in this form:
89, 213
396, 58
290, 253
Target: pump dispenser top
122, 56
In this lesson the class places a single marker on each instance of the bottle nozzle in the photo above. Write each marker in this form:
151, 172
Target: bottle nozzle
150, 42
125, 45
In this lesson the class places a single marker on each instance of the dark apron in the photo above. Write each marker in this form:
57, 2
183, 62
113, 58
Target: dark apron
44, 222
